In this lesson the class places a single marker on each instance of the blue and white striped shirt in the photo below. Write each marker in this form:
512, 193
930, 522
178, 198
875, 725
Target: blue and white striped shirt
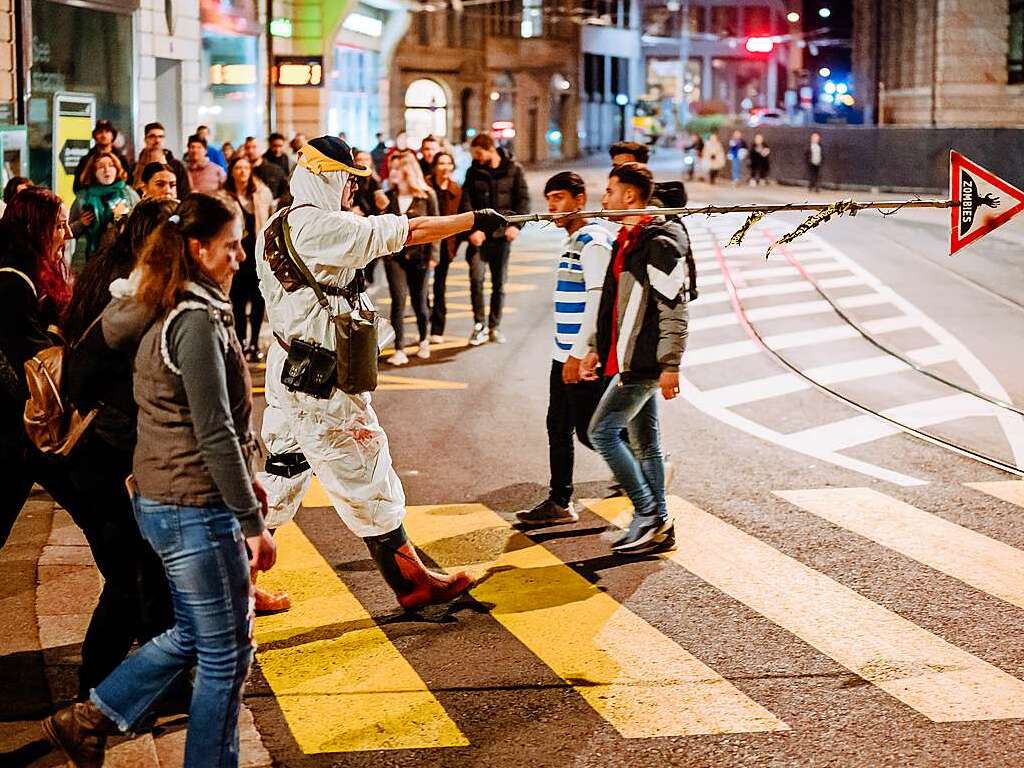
580, 269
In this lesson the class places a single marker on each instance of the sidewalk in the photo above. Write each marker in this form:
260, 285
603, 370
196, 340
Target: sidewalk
48, 588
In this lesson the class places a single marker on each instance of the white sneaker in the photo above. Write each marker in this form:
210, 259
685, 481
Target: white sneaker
479, 335
423, 353
437, 339
399, 358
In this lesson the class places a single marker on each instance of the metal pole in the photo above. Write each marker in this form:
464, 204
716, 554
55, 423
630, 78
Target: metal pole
271, 106
711, 210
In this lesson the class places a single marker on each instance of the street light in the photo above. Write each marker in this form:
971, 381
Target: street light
792, 17
824, 71
824, 13
622, 100
760, 44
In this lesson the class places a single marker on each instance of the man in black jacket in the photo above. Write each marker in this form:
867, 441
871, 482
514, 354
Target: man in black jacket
103, 135
154, 135
640, 338
494, 180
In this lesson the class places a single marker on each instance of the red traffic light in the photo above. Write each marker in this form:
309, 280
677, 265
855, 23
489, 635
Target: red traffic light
760, 44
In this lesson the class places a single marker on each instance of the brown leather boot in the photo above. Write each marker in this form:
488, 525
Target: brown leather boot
415, 586
80, 732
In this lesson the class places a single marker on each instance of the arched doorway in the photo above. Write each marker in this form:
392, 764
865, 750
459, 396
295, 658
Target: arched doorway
426, 110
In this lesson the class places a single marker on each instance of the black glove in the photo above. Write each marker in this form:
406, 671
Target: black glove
489, 221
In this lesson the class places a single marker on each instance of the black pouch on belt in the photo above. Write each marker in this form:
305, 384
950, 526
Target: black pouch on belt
309, 368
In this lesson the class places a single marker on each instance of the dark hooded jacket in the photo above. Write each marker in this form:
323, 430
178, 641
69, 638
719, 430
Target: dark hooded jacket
652, 314
502, 188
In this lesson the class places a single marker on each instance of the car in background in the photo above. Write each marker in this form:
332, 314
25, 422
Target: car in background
765, 117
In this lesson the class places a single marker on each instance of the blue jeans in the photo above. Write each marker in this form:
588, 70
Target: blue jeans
203, 553
737, 167
638, 465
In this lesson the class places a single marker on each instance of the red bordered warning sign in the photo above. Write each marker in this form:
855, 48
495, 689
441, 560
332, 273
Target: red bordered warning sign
985, 202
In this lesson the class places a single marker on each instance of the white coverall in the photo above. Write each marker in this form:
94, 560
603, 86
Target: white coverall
340, 436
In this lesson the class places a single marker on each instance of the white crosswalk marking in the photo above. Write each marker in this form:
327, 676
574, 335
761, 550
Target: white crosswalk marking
975, 559
941, 681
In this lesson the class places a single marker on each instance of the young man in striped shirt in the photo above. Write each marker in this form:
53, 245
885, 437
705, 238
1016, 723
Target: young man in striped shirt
580, 277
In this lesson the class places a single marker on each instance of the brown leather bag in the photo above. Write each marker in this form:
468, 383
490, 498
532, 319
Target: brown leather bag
52, 423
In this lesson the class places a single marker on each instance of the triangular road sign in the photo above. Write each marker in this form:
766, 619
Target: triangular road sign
985, 202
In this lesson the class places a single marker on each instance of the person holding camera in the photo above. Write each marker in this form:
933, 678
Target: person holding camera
310, 274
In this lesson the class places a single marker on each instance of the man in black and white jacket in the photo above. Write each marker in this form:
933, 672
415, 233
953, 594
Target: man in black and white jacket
639, 342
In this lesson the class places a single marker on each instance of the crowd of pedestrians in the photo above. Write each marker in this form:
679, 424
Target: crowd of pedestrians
158, 312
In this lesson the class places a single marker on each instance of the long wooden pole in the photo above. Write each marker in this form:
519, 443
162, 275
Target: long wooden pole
709, 210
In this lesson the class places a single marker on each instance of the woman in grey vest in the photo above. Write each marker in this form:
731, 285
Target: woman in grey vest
194, 497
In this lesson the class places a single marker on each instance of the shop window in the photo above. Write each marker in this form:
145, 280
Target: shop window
532, 24
725, 20
84, 51
426, 110
1015, 59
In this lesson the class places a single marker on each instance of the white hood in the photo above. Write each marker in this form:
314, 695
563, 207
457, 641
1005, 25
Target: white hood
323, 191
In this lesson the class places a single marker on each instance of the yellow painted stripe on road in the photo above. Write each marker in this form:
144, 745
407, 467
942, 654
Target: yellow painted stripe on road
636, 678
341, 684
1011, 491
942, 682
971, 557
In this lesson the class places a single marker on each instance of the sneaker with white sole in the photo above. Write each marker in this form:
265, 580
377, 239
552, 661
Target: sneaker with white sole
423, 353
643, 531
478, 336
496, 336
399, 358
548, 512
663, 542
436, 338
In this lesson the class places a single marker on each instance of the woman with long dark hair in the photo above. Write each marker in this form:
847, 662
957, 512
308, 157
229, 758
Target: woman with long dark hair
135, 604
449, 201
257, 203
34, 292
194, 497
409, 269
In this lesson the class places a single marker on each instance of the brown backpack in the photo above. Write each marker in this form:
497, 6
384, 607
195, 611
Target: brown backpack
52, 423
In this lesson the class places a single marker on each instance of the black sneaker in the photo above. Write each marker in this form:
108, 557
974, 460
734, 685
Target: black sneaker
664, 542
643, 531
548, 512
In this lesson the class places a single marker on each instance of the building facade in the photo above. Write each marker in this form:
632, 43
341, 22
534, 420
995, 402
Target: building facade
946, 63
721, 70
508, 68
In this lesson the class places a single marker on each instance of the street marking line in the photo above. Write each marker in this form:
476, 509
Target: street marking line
352, 690
968, 556
641, 682
785, 383
1011, 491
941, 681
857, 430
696, 397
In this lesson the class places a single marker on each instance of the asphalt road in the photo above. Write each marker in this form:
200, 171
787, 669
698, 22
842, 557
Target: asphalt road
842, 594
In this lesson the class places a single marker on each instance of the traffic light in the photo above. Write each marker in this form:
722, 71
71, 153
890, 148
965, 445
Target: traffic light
760, 44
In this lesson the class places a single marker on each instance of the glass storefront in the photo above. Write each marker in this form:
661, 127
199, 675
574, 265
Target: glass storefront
354, 85
81, 51
232, 99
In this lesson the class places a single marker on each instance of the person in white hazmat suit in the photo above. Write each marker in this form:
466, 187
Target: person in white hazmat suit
338, 437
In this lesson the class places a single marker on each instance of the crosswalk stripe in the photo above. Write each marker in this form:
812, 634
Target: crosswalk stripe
1011, 491
975, 559
785, 383
636, 678
731, 350
792, 309
942, 682
857, 430
341, 684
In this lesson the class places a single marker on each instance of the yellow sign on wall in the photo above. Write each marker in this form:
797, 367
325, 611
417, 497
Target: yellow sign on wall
73, 117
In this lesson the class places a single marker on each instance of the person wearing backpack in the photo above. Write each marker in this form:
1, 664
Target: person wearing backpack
34, 291
135, 603
194, 495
